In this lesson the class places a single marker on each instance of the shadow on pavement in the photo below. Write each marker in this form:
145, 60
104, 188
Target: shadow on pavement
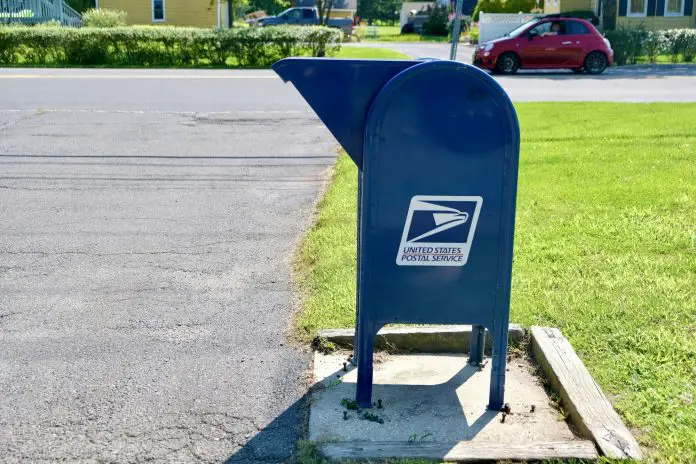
623, 72
271, 445
268, 446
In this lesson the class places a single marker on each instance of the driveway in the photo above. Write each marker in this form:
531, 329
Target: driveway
146, 230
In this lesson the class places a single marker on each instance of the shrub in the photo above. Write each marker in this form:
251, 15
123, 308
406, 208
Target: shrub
51, 23
473, 36
104, 18
163, 46
681, 43
654, 44
437, 21
466, 25
689, 53
629, 44
503, 6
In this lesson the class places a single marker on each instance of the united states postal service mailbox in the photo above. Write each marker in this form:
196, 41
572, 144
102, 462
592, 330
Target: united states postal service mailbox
437, 147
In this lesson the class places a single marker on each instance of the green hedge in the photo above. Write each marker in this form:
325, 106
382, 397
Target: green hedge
631, 43
162, 46
503, 6
104, 17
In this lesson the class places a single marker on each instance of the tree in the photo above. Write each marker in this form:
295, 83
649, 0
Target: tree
324, 10
380, 10
366, 10
437, 21
271, 7
231, 9
81, 5
388, 11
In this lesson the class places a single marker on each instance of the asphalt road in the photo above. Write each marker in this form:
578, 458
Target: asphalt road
146, 229
147, 219
644, 83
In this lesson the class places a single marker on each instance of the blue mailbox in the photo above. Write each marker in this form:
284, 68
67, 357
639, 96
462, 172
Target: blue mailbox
437, 147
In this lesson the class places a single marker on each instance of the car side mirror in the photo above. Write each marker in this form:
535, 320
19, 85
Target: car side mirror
533, 34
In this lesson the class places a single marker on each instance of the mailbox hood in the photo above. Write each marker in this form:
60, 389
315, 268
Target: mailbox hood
340, 92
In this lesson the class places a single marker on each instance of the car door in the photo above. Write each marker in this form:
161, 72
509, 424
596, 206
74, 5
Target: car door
308, 16
574, 42
539, 47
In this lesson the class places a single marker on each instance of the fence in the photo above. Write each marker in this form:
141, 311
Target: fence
38, 11
494, 25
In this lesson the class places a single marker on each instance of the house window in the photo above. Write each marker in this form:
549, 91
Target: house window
637, 7
157, 11
674, 7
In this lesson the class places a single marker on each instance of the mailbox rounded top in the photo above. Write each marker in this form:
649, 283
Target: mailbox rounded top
454, 87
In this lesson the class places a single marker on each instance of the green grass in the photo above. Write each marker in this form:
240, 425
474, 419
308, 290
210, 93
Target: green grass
605, 249
370, 53
393, 34
664, 59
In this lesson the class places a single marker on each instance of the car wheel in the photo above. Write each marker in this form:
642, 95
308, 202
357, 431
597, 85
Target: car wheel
595, 63
508, 63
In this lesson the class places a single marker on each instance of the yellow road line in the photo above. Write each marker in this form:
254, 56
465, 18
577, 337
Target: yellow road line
130, 76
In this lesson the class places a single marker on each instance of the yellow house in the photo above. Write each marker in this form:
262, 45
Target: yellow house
651, 14
196, 13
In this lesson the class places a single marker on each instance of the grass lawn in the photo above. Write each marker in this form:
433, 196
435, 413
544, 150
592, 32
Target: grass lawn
664, 59
393, 34
605, 249
370, 53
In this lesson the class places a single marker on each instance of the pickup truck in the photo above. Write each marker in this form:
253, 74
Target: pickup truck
304, 16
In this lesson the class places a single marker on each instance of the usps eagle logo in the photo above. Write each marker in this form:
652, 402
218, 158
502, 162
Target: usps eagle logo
439, 230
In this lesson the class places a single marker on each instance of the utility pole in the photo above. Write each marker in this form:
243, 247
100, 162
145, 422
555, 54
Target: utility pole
456, 27
230, 14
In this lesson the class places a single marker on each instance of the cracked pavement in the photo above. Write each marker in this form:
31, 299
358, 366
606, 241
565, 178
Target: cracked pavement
145, 286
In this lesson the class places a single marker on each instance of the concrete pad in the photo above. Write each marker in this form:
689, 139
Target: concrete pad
433, 398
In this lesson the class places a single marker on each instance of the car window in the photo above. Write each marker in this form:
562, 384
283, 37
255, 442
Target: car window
550, 28
307, 14
520, 29
293, 14
542, 28
557, 28
575, 27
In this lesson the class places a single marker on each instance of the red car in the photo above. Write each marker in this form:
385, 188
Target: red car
547, 43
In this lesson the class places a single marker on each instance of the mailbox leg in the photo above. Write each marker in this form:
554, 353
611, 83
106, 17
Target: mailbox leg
356, 343
477, 344
363, 393
498, 367
356, 338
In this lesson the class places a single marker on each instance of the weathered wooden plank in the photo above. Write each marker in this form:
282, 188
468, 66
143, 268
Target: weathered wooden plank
589, 409
463, 451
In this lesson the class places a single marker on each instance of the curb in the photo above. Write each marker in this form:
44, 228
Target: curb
426, 339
